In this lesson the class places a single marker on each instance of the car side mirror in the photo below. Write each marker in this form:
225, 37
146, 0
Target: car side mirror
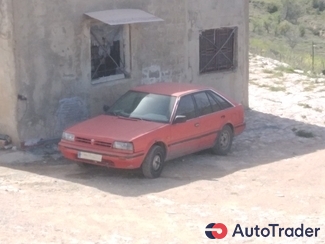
179, 119
106, 108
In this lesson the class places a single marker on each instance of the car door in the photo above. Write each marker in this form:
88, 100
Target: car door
184, 136
210, 118
224, 110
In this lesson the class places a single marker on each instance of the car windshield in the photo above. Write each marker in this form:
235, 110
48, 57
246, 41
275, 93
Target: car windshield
144, 106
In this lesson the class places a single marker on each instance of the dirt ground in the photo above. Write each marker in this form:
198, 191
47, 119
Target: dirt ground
272, 176
57, 202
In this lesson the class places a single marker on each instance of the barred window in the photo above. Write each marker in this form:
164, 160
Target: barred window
108, 57
217, 49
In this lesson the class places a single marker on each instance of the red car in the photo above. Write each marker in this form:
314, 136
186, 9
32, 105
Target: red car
151, 124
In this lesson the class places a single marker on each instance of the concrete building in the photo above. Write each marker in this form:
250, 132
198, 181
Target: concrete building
60, 61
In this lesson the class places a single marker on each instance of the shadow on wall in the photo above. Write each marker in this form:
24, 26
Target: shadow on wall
70, 111
268, 139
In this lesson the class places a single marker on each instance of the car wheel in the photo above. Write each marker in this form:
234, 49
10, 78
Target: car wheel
224, 141
153, 164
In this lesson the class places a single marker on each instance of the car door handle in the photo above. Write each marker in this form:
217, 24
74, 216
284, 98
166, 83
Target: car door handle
223, 116
197, 125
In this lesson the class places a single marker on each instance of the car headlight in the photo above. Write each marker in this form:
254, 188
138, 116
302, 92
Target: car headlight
68, 136
123, 145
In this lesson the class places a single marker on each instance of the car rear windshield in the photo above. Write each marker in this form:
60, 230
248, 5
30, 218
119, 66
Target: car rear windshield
144, 106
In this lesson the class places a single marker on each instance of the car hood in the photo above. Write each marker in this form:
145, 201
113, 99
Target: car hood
114, 128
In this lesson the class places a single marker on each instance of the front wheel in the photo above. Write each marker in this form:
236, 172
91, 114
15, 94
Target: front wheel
224, 141
153, 164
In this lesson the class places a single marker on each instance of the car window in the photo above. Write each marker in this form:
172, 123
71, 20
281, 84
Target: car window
203, 103
223, 103
215, 105
146, 106
186, 107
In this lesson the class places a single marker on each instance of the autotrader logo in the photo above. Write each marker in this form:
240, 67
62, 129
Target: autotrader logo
220, 231
216, 231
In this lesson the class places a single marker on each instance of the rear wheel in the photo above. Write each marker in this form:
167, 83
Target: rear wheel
153, 164
223, 142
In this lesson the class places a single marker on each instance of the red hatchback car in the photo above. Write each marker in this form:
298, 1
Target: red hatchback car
151, 124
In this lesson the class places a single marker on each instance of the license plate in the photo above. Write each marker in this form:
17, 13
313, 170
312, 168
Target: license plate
90, 156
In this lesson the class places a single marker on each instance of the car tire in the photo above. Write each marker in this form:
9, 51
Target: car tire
223, 142
153, 164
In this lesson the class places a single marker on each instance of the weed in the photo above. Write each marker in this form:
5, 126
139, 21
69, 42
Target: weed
304, 105
286, 69
309, 88
277, 88
278, 82
276, 75
319, 110
258, 84
268, 71
254, 83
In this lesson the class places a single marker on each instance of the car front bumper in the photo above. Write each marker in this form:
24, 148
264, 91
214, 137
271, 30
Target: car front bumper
109, 159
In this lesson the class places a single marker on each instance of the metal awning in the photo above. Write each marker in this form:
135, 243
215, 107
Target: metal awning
123, 16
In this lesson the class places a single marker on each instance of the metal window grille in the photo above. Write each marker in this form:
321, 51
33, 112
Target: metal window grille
217, 50
106, 52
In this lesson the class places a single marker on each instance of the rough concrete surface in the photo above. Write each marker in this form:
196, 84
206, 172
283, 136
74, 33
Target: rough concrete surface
272, 176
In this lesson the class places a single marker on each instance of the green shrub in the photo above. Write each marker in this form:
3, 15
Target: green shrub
284, 27
321, 7
272, 8
302, 31
257, 26
267, 25
315, 31
291, 10
315, 4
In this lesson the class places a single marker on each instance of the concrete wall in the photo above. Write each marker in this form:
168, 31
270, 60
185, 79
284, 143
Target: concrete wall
53, 56
53, 69
8, 96
212, 14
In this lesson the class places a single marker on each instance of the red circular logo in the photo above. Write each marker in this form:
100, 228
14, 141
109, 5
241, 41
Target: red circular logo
216, 231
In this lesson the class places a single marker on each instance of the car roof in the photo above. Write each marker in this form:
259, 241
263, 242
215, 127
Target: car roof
170, 88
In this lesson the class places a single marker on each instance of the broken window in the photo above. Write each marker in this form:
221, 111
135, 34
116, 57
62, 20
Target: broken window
217, 49
107, 53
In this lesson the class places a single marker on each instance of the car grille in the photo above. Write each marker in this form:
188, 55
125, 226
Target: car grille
93, 142
103, 144
83, 140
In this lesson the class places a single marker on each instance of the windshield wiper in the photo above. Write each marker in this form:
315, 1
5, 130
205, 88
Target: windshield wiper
128, 118
137, 118
118, 113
